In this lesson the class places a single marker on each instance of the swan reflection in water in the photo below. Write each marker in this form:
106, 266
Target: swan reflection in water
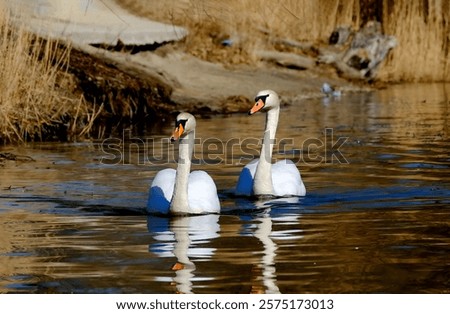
179, 237
265, 234
267, 264
190, 238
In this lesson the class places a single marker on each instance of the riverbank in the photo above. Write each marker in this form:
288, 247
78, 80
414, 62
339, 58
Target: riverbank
97, 89
146, 86
420, 28
105, 89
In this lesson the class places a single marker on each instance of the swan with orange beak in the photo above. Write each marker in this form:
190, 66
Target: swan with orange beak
180, 191
260, 177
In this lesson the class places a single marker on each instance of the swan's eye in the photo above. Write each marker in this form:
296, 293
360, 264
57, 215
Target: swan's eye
262, 97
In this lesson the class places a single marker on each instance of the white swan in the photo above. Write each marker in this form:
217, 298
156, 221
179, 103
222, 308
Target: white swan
260, 177
182, 192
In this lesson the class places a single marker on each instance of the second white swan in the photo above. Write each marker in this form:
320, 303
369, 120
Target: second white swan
260, 177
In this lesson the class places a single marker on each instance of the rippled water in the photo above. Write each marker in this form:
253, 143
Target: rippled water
376, 217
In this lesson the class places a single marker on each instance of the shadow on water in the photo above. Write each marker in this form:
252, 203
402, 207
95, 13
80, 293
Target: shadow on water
378, 223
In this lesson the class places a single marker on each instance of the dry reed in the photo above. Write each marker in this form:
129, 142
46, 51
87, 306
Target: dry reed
35, 95
422, 28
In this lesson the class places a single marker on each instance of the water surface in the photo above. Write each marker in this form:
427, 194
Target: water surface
376, 217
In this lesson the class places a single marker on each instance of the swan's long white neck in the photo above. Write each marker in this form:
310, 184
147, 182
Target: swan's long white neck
262, 184
180, 202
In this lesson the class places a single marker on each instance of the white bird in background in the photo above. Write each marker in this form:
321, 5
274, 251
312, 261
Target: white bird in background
182, 191
260, 177
329, 90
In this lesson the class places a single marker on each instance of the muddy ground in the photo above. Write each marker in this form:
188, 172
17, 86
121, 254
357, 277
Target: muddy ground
141, 84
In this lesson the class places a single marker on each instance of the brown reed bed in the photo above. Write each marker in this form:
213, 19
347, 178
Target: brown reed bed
36, 96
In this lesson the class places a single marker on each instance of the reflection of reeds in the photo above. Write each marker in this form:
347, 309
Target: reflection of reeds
422, 28
35, 99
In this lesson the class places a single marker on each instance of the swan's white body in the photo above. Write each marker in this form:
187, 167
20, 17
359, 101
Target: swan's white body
260, 177
181, 191
286, 179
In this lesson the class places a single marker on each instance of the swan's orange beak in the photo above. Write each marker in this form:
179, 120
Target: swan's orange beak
177, 133
257, 106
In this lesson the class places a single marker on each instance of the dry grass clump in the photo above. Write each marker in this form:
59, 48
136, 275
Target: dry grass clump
35, 102
422, 28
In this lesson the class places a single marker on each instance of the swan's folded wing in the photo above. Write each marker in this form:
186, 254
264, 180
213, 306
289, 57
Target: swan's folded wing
244, 185
161, 191
202, 193
286, 179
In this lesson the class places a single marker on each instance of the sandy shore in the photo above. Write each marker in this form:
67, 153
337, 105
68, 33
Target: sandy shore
196, 84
